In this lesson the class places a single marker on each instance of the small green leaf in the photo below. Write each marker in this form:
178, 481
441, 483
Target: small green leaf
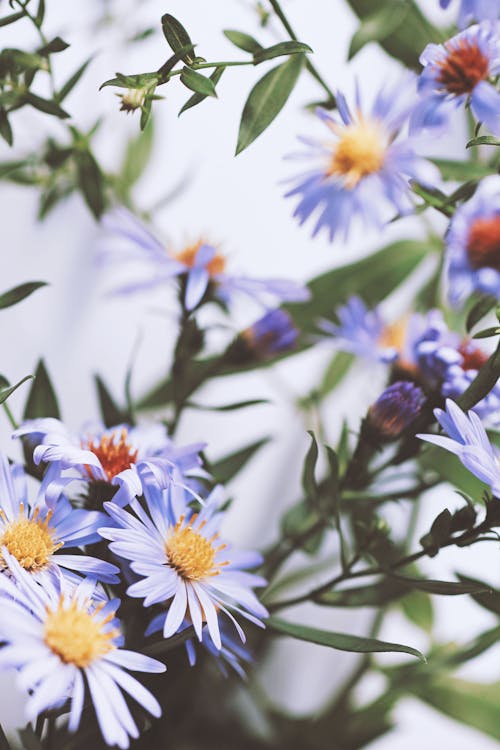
91, 182
336, 371
42, 400
72, 81
6, 20
226, 468
198, 83
340, 641
177, 36
487, 333
278, 50
45, 105
309, 483
137, 156
462, 170
483, 383
243, 41
215, 77
417, 606
5, 392
18, 293
484, 596
55, 45
145, 112
484, 140
5, 128
267, 99
228, 407
446, 588
377, 26
40, 13
478, 311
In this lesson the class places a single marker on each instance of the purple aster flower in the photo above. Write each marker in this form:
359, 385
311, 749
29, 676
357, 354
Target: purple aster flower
37, 536
473, 244
396, 410
365, 172
199, 265
112, 455
475, 10
179, 556
468, 440
458, 73
272, 334
63, 641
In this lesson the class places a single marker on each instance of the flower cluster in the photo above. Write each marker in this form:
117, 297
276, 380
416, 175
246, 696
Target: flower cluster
59, 628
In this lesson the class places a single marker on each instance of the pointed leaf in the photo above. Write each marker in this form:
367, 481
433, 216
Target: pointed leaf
12, 18
177, 36
6, 391
243, 41
278, 50
72, 81
484, 595
267, 99
42, 400
447, 588
340, 641
18, 293
197, 98
226, 468
198, 83
45, 105
309, 483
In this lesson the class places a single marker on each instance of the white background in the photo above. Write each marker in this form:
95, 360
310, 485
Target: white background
237, 202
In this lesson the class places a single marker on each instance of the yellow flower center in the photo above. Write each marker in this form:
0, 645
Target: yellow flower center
394, 335
76, 636
30, 540
192, 554
188, 257
360, 151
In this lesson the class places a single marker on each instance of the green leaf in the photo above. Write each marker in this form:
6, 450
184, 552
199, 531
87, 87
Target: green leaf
42, 400
462, 170
309, 483
474, 704
417, 606
267, 99
5, 128
45, 105
278, 50
55, 45
484, 596
110, 412
226, 468
483, 383
139, 81
446, 588
336, 371
484, 140
18, 293
136, 158
72, 81
4, 743
478, 311
373, 595
487, 333
40, 13
198, 83
6, 20
215, 77
340, 641
29, 739
243, 41
377, 26
177, 36
449, 468
91, 182
145, 112
5, 392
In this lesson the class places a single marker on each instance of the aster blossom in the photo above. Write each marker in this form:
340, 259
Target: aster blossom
457, 73
37, 535
199, 266
475, 10
61, 640
111, 456
180, 559
467, 439
365, 171
473, 244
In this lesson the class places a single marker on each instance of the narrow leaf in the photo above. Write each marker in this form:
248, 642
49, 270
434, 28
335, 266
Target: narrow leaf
12, 18
215, 77
176, 35
484, 140
42, 400
226, 468
91, 182
110, 412
5, 128
6, 392
446, 588
18, 293
72, 81
243, 41
309, 484
267, 99
228, 407
45, 105
340, 641
198, 83
483, 595
278, 50
478, 311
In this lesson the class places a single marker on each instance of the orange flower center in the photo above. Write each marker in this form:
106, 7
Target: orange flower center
114, 453
483, 243
188, 257
463, 67
473, 357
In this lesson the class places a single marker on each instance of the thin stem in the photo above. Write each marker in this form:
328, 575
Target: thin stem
10, 416
44, 41
309, 65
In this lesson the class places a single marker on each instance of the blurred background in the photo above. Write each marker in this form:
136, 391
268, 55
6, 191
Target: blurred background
194, 186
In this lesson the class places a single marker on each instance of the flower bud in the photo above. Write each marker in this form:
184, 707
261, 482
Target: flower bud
272, 334
132, 99
395, 410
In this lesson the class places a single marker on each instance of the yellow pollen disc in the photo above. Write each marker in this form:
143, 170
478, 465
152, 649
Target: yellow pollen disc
30, 540
76, 636
360, 151
188, 257
394, 335
190, 553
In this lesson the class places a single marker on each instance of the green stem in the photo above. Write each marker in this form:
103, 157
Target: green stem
10, 416
309, 65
